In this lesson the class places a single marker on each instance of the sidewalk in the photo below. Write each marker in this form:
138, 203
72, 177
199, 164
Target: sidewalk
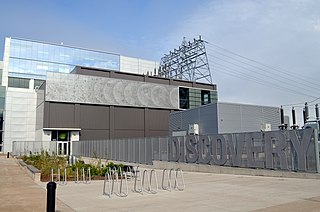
18, 192
203, 192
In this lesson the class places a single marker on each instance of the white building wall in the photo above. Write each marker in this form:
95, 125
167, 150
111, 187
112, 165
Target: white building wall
138, 66
6, 55
20, 116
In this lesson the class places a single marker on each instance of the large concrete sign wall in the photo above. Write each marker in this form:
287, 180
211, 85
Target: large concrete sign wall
293, 150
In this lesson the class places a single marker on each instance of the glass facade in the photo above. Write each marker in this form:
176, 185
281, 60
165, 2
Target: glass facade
32, 59
192, 98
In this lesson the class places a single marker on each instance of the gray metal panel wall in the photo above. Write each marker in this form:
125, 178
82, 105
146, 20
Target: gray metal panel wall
234, 118
205, 116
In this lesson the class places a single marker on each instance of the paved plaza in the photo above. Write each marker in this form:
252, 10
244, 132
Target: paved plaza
203, 192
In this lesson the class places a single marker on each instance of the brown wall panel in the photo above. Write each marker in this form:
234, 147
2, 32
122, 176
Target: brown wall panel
126, 118
94, 117
158, 80
159, 119
158, 133
61, 115
129, 134
94, 134
128, 76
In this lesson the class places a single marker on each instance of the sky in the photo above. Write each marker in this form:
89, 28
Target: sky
260, 52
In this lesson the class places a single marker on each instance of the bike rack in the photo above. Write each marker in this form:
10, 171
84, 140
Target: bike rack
51, 175
175, 173
135, 189
76, 176
145, 173
146, 182
176, 182
156, 182
111, 179
64, 179
107, 180
168, 186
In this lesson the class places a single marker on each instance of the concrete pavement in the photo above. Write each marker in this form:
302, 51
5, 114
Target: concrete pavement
18, 192
203, 192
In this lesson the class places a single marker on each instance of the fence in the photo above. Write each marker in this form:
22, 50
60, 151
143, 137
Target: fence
293, 150
20, 148
135, 150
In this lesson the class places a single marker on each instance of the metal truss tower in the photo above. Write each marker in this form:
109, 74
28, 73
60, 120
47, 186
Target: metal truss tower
188, 62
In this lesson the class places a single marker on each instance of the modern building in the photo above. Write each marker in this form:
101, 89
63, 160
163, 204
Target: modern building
221, 118
75, 105
2, 102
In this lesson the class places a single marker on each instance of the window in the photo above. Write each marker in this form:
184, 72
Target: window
38, 83
18, 82
61, 135
205, 97
184, 98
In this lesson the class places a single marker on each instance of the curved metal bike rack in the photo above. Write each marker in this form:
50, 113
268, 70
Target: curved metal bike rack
76, 176
137, 173
178, 179
165, 174
111, 177
153, 173
176, 182
107, 180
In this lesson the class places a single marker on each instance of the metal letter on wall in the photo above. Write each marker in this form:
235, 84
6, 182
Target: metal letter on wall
275, 144
204, 149
235, 144
192, 153
254, 151
219, 149
301, 146
174, 149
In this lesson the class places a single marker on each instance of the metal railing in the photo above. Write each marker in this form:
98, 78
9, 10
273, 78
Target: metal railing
135, 150
20, 148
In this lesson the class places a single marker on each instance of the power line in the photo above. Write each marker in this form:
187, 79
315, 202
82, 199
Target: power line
284, 85
267, 71
262, 64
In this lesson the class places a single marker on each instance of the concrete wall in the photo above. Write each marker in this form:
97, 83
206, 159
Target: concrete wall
20, 116
109, 91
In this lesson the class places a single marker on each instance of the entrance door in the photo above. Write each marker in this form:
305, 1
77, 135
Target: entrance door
63, 148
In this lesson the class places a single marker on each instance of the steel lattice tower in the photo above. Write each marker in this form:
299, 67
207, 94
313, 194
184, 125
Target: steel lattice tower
188, 62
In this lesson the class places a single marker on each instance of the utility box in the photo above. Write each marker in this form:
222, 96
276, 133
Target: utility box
265, 127
193, 129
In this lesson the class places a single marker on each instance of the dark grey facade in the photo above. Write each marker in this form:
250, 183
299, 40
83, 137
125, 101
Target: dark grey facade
106, 104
